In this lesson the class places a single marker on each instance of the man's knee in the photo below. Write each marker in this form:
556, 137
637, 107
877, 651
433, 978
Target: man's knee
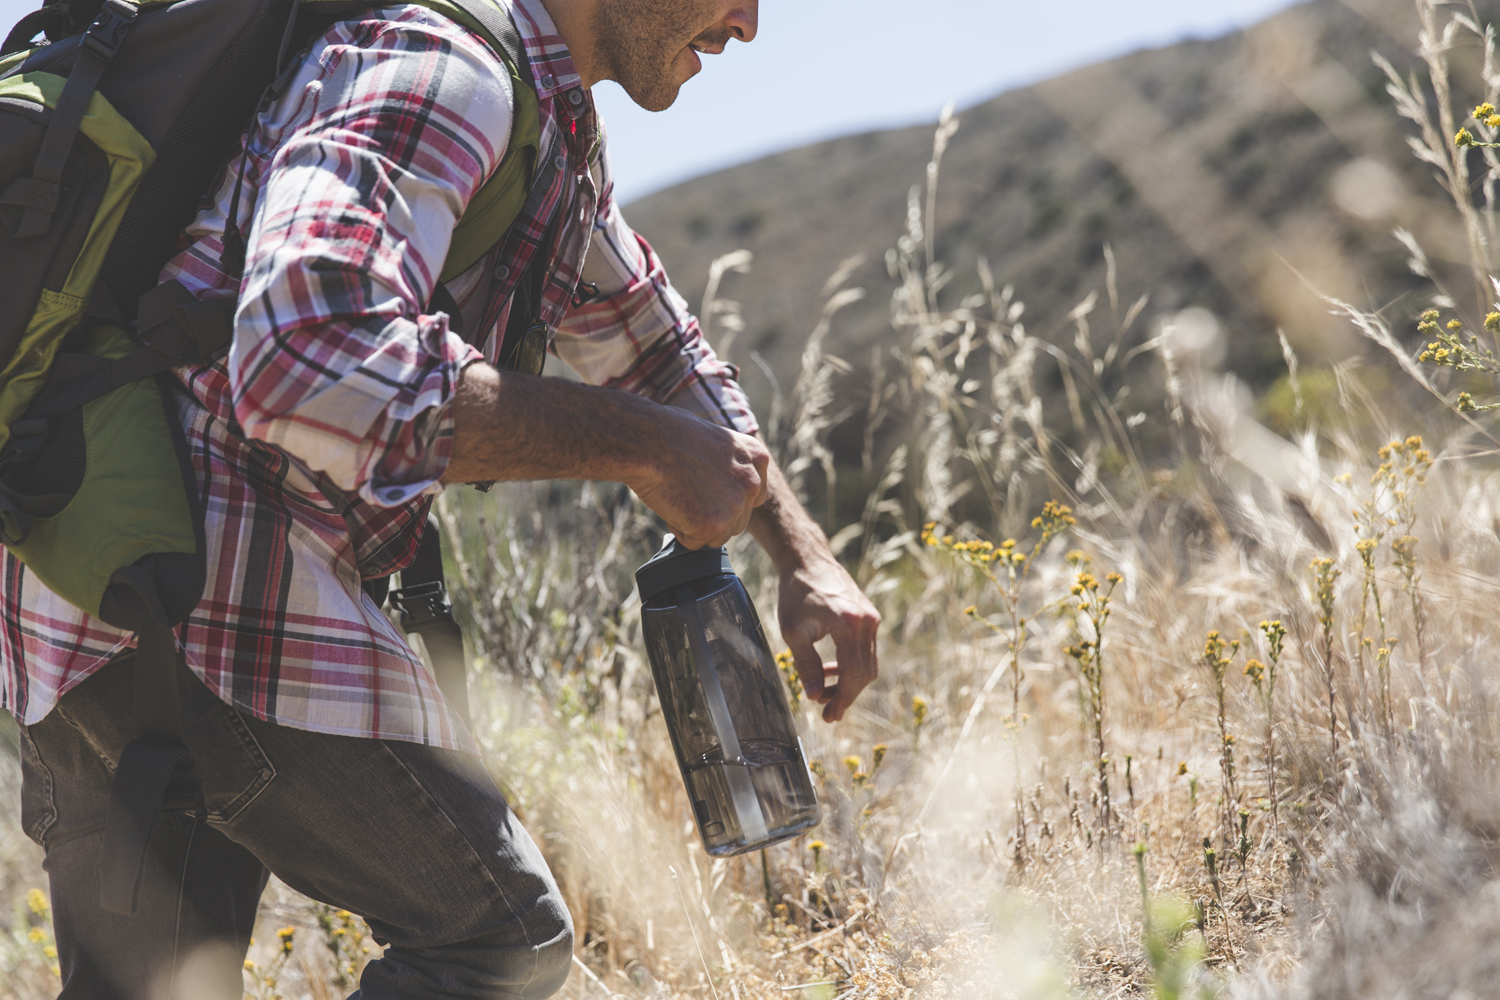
554, 957
529, 955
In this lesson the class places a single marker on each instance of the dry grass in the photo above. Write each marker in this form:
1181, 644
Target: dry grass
1004, 846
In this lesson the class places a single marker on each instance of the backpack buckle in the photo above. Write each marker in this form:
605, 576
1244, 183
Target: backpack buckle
421, 605
107, 33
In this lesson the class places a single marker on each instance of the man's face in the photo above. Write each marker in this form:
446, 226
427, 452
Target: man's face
651, 47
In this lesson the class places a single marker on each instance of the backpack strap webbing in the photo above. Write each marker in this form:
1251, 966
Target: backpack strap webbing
425, 610
149, 762
38, 194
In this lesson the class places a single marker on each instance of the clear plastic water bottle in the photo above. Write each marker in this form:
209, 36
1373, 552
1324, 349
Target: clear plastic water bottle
724, 703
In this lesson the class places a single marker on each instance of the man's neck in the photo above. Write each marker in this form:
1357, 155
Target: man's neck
575, 23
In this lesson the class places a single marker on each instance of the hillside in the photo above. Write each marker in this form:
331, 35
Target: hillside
1229, 174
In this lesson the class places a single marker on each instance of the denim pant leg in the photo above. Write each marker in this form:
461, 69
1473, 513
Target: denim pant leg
418, 841
198, 898
421, 843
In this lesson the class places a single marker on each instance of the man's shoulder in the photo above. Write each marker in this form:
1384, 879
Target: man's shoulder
413, 26
448, 63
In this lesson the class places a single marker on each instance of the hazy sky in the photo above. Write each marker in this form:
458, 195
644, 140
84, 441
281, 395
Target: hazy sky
822, 68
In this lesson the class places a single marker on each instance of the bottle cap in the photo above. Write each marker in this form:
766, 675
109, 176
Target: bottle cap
674, 566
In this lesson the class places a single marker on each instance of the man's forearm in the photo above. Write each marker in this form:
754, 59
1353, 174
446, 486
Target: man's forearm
511, 427
784, 528
704, 480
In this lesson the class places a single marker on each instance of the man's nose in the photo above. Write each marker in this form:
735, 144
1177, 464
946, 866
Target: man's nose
744, 19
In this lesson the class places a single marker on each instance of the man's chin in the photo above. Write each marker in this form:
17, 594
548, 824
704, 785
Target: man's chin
658, 96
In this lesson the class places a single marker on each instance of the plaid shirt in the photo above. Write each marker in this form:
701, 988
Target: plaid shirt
320, 438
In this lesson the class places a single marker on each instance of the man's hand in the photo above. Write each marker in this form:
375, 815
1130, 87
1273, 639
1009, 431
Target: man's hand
818, 599
823, 600
706, 482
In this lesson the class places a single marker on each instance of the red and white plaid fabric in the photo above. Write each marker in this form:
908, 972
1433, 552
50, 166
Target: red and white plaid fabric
320, 438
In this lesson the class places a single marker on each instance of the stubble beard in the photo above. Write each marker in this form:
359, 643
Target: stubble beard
640, 41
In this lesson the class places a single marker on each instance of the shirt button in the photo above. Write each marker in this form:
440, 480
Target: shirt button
502, 271
561, 163
548, 81
575, 97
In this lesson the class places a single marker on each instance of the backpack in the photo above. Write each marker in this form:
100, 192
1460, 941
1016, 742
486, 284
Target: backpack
109, 135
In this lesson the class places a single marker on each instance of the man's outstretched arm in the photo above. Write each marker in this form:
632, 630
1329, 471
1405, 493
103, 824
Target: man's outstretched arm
817, 598
707, 482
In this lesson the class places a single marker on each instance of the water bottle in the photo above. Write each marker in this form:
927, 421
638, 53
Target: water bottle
726, 710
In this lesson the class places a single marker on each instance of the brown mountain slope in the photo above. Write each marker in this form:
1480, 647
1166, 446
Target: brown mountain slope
1215, 169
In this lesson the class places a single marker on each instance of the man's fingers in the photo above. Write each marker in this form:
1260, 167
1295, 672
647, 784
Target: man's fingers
809, 667
850, 659
854, 639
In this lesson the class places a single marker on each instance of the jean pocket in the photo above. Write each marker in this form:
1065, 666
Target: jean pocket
232, 767
38, 807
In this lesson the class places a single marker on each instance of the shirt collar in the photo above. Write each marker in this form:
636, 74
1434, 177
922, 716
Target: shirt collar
552, 68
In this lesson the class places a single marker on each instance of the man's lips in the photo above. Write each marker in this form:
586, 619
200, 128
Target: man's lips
711, 43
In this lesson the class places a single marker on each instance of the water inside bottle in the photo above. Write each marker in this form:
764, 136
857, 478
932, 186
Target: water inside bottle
778, 775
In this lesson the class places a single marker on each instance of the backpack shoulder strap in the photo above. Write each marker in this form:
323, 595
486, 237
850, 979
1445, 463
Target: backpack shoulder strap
495, 206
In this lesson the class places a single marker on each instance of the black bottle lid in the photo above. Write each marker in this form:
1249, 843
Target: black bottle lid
674, 566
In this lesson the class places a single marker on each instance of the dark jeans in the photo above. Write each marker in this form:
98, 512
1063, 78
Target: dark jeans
416, 840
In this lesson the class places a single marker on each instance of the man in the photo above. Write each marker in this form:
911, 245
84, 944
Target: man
324, 751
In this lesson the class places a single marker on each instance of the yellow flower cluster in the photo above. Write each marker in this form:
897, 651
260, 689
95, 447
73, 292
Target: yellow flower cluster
1460, 353
788, 668
1256, 671
1485, 115
1275, 634
1404, 466
979, 554
1054, 518
36, 902
1214, 650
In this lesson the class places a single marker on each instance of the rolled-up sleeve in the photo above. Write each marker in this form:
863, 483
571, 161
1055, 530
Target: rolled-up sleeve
638, 334
378, 146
